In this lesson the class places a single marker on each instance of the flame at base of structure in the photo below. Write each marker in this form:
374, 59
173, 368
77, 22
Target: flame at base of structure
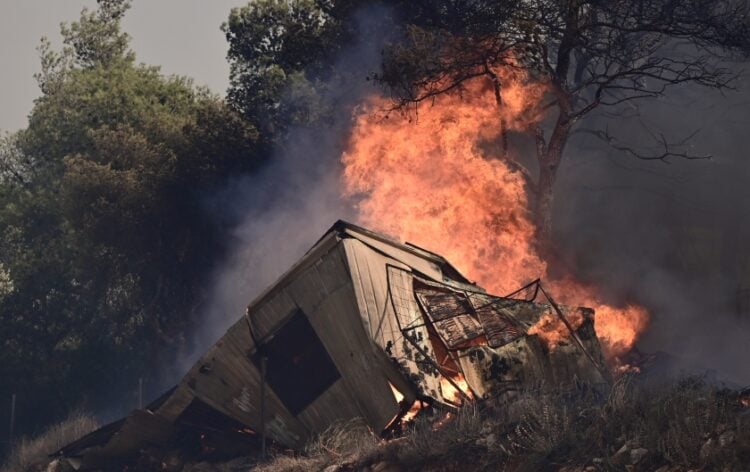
456, 390
406, 415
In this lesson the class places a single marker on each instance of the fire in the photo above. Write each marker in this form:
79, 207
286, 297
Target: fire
430, 182
452, 394
552, 330
744, 398
618, 328
440, 181
413, 411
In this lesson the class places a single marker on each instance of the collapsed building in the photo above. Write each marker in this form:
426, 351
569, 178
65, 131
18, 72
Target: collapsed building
362, 326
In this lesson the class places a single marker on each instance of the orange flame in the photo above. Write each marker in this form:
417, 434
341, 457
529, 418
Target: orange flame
439, 181
413, 411
453, 394
552, 330
431, 183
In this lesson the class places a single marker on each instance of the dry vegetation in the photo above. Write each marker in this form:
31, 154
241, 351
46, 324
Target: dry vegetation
689, 425
32, 454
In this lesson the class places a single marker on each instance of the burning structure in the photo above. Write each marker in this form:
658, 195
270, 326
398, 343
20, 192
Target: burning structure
361, 327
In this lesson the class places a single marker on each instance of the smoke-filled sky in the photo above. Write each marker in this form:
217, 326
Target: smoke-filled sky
675, 235
181, 36
282, 211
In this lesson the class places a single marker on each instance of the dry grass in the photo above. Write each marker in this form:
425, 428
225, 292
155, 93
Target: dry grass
686, 425
677, 427
30, 454
446, 440
340, 446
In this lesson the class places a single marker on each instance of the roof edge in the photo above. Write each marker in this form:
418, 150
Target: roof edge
341, 226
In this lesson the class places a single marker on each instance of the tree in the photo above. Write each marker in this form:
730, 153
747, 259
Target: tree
280, 54
590, 54
105, 244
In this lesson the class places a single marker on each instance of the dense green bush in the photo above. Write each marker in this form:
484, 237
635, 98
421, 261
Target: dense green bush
105, 242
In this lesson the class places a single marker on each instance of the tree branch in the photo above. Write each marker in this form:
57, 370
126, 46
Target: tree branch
666, 151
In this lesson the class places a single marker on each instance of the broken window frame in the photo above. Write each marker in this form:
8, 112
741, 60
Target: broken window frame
405, 329
426, 321
296, 399
474, 310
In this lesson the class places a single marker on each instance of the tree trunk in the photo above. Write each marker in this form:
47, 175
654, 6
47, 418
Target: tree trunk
549, 159
543, 207
497, 86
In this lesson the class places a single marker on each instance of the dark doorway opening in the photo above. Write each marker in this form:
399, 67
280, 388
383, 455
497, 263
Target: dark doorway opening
298, 366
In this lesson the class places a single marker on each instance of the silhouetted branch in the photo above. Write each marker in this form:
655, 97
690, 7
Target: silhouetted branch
666, 151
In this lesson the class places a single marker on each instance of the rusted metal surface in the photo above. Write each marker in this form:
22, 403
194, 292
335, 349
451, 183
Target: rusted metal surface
451, 314
498, 328
461, 318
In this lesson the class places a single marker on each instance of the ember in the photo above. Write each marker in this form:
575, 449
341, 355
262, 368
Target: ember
744, 398
552, 329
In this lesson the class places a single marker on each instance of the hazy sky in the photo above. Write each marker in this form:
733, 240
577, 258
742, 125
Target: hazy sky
182, 36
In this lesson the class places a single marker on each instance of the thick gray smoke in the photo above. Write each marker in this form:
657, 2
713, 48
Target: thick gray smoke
284, 209
673, 235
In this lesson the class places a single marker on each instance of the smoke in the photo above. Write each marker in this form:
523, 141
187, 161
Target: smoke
672, 236
280, 212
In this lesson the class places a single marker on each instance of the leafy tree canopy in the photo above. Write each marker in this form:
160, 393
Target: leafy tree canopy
105, 245
281, 53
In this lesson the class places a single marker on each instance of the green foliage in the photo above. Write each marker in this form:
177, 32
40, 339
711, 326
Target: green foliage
105, 246
279, 52
96, 38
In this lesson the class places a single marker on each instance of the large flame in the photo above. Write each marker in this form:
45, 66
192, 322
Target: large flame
438, 180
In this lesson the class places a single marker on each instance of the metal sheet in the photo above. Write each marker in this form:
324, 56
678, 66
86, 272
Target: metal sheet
451, 314
375, 290
496, 317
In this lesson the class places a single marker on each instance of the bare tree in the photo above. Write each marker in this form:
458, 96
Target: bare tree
589, 53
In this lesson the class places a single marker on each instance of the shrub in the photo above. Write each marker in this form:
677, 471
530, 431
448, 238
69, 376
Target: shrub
33, 453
